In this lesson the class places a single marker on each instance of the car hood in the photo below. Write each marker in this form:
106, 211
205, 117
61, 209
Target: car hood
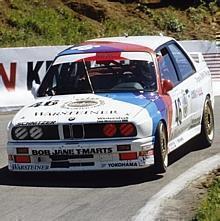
86, 108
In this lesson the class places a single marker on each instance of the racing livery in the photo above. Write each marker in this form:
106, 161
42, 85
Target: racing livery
113, 103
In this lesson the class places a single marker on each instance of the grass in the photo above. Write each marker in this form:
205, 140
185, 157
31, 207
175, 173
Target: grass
210, 206
54, 22
42, 25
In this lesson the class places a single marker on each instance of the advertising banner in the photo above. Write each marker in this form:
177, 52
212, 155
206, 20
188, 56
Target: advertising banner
19, 67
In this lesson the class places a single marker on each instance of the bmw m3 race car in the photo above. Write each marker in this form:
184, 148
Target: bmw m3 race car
113, 103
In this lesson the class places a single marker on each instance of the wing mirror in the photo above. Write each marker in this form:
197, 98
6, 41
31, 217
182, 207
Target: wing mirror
167, 85
34, 89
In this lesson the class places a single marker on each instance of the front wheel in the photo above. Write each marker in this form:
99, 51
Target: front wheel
205, 138
160, 149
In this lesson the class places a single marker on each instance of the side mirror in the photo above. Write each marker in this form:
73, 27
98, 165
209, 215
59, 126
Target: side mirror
167, 85
34, 89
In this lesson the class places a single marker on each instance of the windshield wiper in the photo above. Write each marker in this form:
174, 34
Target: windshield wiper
87, 74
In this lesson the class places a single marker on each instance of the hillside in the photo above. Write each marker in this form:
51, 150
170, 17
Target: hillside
58, 22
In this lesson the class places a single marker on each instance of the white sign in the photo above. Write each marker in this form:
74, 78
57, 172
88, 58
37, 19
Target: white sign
19, 67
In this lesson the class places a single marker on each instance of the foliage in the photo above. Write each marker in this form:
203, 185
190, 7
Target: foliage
54, 22
168, 21
210, 207
119, 28
42, 26
196, 14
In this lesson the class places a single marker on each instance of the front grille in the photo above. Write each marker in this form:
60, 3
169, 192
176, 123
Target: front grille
73, 131
89, 131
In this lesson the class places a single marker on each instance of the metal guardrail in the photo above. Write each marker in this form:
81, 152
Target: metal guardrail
213, 62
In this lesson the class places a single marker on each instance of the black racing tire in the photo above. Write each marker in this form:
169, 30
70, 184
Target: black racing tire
206, 136
160, 149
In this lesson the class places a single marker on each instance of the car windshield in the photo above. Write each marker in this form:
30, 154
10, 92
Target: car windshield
99, 72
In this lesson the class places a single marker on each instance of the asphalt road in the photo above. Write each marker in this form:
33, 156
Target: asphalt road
88, 196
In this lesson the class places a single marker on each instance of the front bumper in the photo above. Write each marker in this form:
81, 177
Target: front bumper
80, 156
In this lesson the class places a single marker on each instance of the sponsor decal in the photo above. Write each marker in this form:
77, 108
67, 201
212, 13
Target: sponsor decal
85, 47
8, 82
201, 76
181, 106
185, 105
123, 164
180, 139
39, 167
33, 71
180, 130
172, 146
196, 93
141, 161
83, 151
112, 119
178, 107
150, 153
195, 122
75, 113
36, 123
103, 165
71, 119
10, 75
48, 103
83, 103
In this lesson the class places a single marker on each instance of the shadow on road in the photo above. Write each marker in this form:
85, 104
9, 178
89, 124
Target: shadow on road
77, 179
185, 149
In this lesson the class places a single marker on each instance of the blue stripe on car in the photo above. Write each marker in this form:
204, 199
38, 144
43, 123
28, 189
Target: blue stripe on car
151, 102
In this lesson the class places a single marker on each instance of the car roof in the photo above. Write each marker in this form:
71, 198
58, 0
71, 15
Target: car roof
117, 44
150, 41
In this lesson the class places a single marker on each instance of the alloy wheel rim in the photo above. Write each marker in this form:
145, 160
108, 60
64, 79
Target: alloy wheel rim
163, 142
209, 122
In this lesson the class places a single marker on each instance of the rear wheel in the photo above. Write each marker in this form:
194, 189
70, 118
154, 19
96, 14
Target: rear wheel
160, 149
205, 138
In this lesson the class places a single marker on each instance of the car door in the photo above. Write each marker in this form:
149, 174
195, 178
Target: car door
188, 84
180, 94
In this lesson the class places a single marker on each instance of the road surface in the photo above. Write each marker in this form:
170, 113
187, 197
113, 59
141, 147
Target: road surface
90, 196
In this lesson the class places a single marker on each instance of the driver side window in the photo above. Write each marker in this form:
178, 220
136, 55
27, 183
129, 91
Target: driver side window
167, 69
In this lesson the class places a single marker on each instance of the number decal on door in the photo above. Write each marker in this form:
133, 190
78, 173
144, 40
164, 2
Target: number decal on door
179, 114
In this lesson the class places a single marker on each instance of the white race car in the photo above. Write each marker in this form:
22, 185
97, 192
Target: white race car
113, 103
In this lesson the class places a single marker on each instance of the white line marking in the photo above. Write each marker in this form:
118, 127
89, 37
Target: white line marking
152, 208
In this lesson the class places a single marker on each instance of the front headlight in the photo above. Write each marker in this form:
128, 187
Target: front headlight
36, 133
42, 132
19, 133
27, 133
